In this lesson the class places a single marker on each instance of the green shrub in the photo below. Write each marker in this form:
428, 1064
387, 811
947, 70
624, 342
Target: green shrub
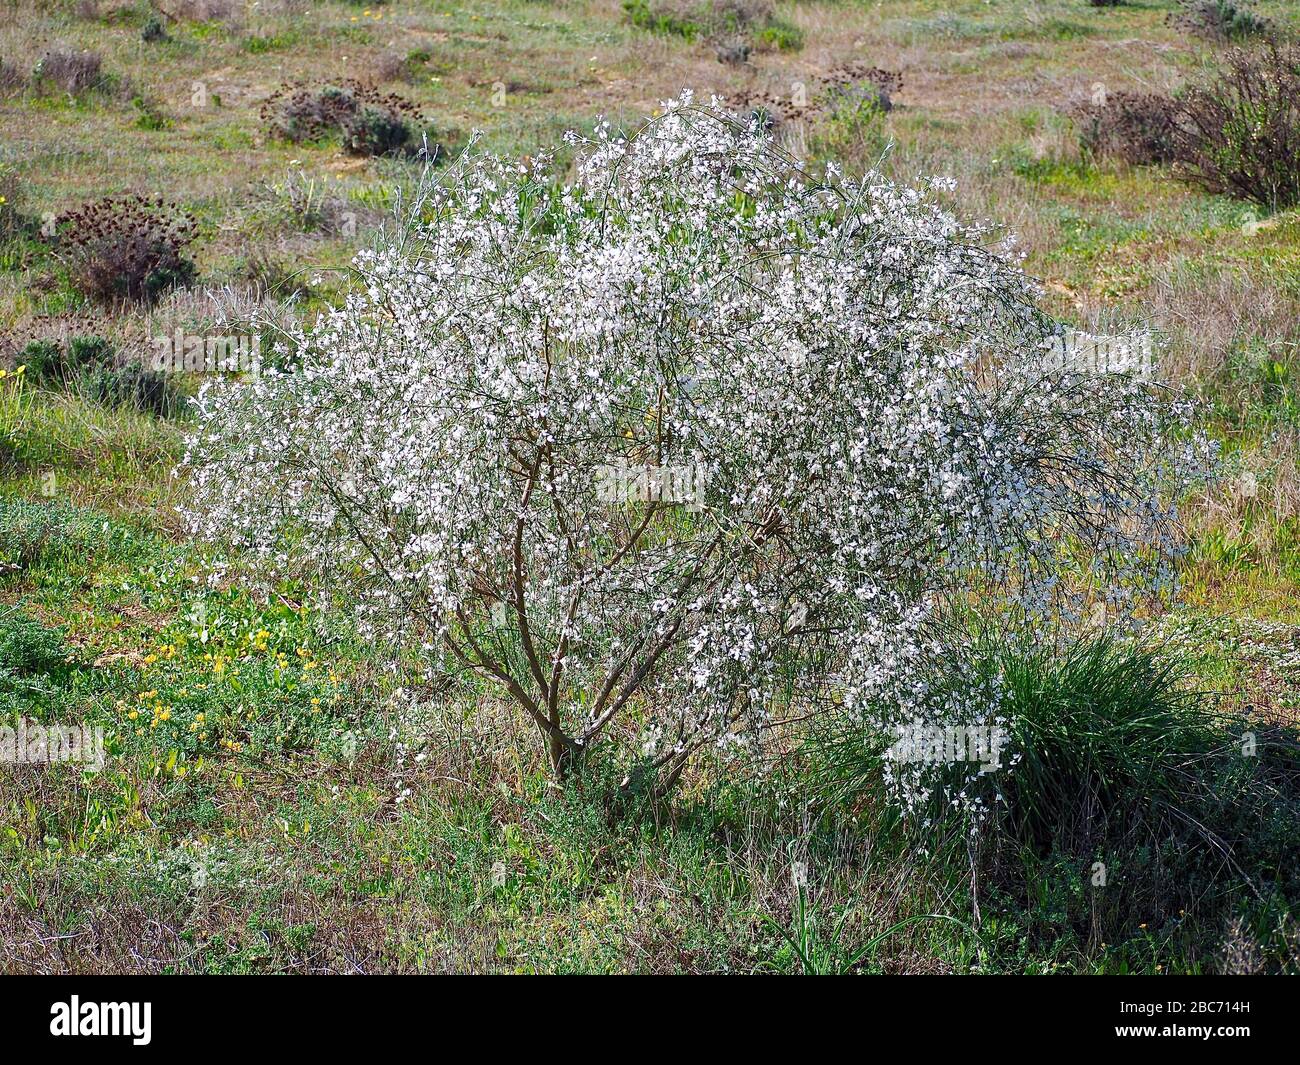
43, 359
132, 386
35, 664
153, 30
149, 115
28, 648
369, 122
89, 352
1239, 134
1136, 128
376, 131
89, 366
1224, 20
56, 365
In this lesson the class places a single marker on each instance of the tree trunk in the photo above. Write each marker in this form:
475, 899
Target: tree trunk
566, 756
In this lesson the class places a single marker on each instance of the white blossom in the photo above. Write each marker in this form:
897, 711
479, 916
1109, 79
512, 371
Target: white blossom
859, 376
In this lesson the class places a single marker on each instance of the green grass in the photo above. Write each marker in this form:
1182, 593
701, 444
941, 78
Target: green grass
281, 818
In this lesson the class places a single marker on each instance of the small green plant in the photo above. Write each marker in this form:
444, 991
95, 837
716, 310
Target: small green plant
149, 116
781, 36
820, 955
1224, 552
670, 21
261, 45
52, 364
153, 30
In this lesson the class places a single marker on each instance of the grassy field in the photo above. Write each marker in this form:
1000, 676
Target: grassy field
278, 798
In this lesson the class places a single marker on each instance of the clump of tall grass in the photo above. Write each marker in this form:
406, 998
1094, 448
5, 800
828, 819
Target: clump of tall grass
73, 72
1116, 773
1112, 744
11, 77
17, 224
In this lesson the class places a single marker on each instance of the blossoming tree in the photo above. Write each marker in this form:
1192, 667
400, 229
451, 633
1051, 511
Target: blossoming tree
854, 381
